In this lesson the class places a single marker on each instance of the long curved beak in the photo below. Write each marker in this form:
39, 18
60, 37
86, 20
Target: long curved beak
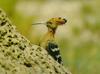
38, 23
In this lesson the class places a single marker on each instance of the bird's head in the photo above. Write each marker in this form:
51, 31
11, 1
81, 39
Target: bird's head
53, 23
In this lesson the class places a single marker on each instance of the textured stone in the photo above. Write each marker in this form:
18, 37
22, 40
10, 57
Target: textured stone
19, 56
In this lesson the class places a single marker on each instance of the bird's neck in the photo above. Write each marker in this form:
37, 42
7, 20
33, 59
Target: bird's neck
51, 32
49, 36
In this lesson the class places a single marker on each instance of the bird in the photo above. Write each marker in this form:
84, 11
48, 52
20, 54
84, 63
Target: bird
48, 41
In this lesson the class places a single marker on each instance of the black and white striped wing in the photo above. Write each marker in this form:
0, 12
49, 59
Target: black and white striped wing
54, 51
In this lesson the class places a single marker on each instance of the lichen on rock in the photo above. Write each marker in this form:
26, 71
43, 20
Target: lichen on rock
19, 56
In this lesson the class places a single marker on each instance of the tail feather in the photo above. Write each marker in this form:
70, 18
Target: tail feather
54, 51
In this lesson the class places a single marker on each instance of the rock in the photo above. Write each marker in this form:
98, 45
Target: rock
19, 56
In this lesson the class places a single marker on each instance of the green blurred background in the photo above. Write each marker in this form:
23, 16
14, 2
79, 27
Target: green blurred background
79, 39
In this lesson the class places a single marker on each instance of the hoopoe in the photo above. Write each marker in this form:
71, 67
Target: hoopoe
48, 41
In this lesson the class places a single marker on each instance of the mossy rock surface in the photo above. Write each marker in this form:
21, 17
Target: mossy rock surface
19, 56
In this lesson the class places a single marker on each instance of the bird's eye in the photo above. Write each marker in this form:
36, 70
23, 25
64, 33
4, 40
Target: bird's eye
59, 17
49, 22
